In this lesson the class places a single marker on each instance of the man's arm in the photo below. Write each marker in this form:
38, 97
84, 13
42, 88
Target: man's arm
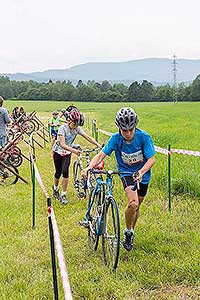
97, 159
7, 119
147, 166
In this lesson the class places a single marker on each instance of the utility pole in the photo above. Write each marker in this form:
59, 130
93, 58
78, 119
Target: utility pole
174, 63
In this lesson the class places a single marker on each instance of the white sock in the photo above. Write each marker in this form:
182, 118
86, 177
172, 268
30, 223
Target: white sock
56, 188
63, 193
129, 230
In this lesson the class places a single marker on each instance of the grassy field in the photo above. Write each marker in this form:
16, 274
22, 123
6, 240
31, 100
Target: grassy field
165, 262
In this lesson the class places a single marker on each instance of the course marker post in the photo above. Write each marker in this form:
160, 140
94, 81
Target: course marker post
33, 194
169, 179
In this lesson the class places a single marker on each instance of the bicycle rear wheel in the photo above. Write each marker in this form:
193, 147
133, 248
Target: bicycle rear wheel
94, 230
111, 234
6, 175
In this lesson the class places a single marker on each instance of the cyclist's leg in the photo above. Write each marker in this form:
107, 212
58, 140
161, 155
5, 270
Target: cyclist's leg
65, 172
141, 195
132, 208
57, 158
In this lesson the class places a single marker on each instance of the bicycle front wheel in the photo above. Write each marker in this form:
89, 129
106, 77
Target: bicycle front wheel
94, 230
111, 234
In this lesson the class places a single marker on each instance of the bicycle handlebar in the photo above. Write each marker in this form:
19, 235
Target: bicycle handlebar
85, 150
111, 172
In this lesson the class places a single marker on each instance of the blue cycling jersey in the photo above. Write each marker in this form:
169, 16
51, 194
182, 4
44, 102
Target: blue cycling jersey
132, 156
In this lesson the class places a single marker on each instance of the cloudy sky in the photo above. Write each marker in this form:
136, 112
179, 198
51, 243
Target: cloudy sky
38, 35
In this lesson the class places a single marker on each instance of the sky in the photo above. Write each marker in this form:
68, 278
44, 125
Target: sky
38, 35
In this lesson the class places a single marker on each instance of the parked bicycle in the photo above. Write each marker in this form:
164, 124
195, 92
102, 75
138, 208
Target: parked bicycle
8, 174
102, 217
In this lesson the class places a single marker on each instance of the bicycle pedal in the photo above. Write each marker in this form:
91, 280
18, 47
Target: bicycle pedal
85, 224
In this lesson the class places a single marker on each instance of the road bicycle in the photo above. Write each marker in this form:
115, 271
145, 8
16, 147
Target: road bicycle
83, 187
102, 217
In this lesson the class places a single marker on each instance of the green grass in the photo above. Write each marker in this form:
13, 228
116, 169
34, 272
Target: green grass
165, 262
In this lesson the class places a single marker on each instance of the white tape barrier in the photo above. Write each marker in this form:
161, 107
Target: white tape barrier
61, 259
105, 132
162, 150
186, 152
58, 244
39, 179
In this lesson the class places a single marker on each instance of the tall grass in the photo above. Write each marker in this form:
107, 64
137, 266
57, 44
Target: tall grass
165, 261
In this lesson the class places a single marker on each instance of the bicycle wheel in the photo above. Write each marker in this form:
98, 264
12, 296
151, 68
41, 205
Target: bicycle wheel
10, 135
37, 125
78, 180
15, 160
91, 182
110, 234
94, 230
29, 126
16, 150
6, 175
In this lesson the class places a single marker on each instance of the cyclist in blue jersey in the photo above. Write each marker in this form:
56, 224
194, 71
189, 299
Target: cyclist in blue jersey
134, 152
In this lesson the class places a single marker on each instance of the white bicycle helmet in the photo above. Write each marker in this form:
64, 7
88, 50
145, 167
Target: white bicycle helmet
126, 118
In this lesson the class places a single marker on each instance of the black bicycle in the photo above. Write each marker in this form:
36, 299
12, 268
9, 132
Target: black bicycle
83, 187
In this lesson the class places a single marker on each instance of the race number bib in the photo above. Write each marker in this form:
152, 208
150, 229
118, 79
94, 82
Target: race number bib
132, 158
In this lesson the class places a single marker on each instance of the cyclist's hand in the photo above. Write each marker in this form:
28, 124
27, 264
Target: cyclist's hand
77, 152
137, 176
84, 173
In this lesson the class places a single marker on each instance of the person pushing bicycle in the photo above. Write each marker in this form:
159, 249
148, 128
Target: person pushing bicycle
63, 148
134, 152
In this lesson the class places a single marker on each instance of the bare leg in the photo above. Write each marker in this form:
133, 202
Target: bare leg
56, 181
132, 208
137, 212
64, 184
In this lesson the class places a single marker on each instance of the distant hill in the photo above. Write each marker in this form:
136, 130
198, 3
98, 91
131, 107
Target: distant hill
156, 70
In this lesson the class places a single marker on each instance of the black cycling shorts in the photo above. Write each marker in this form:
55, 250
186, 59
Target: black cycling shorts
62, 164
128, 181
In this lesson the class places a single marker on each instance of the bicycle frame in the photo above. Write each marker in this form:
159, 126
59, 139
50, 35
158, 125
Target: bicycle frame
82, 184
100, 183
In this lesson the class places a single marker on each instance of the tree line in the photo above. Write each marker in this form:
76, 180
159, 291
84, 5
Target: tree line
98, 92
